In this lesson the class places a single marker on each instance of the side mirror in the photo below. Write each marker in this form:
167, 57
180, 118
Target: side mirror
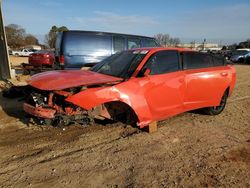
147, 72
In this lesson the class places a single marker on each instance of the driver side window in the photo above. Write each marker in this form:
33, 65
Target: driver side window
163, 62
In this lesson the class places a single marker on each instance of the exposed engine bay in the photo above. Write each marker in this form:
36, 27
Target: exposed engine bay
51, 108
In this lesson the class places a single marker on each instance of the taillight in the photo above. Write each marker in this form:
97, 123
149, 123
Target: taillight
45, 55
61, 59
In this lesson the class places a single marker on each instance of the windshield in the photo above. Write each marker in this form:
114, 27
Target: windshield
121, 64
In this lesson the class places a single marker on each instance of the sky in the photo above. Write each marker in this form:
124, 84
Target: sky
217, 21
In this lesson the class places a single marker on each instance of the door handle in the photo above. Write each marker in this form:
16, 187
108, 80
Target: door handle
224, 74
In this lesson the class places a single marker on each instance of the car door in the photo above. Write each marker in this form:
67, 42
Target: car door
205, 83
164, 87
25, 52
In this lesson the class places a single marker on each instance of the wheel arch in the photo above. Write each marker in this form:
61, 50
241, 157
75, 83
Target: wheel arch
227, 90
99, 97
118, 111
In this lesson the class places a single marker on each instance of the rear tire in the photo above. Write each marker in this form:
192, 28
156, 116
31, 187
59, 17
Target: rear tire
215, 110
241, 60
56, 66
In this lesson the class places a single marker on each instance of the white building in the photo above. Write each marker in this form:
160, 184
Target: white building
199, 46
33, 47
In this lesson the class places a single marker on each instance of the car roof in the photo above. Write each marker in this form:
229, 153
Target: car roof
106, 33
154, 49
241, 49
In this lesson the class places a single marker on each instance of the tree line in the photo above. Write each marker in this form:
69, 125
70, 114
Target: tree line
244, 44
166, 40
18, 38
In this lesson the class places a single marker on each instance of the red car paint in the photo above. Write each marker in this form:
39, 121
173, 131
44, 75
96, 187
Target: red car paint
43, 57
39, 111
52, 80
152, 97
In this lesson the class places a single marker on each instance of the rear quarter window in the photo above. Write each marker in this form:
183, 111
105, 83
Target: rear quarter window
87, 44
196, 60
218, 61
149, 43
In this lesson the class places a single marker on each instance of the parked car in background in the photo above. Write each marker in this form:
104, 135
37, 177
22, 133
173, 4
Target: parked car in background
240, 55
226, 54
10, 52
33, 50
75, 49
138, 86
248, 59
42, 58
23, 52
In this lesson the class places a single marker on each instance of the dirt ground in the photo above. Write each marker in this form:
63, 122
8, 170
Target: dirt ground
14, 61
188, 150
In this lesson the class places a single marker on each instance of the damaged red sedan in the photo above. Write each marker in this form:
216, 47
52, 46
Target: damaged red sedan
139, 86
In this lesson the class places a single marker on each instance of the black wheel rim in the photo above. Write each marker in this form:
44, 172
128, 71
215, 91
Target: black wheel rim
222, 103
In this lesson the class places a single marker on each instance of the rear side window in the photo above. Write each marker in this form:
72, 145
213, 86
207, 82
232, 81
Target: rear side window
163, 62
118, 43
149, 43
134, 43
195, 60
218, 61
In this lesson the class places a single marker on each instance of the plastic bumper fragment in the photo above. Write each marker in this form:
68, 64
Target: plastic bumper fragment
39, 111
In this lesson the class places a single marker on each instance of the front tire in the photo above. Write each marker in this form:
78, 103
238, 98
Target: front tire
215, 110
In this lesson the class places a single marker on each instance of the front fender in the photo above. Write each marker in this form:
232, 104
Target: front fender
93, 97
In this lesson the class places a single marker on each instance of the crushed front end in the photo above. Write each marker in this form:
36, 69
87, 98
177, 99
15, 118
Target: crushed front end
50, 107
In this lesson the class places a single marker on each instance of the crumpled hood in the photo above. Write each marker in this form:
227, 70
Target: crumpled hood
58, 80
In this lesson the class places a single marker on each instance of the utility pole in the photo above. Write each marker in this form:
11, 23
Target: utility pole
4, 56
203, 46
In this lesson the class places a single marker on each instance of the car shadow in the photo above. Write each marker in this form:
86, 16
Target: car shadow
197, 111
13, 108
